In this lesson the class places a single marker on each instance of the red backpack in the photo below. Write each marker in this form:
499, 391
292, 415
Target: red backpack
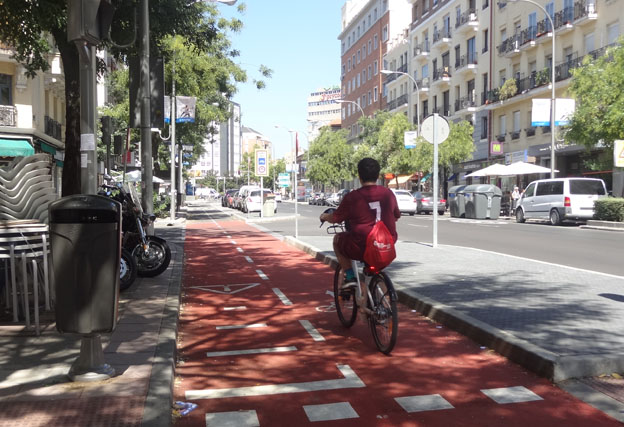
379, 251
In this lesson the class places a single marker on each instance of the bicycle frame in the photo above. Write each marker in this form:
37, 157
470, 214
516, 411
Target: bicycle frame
358, 292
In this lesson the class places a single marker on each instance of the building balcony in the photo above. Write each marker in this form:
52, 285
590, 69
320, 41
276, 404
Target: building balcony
391, 77
52, 128
515, 134
465, 103
467, 22
442, 76
422, 51
441, 39
467, 64
401, 100
423, 85
402, 68
501, 137
585, 12
545, 129
8, 116
530, 131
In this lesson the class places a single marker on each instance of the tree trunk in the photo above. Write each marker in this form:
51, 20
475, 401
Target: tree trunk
71, 67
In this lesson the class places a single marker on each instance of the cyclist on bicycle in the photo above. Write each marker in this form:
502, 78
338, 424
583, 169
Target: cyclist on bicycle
359, 210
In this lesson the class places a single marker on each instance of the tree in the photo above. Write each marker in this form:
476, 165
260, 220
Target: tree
598, 87
331, 158
27, 27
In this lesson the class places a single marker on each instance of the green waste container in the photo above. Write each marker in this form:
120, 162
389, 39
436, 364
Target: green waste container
457, 201
483, 201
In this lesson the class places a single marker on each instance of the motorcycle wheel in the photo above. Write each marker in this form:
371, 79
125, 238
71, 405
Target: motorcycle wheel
156, 260
127, 270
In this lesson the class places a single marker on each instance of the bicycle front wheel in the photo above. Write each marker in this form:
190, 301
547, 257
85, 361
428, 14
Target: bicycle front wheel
384, 319
345, 300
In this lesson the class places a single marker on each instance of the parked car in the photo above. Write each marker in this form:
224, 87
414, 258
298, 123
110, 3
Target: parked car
342, 193
206, 193
560, 199
226, 196
243, 192
253, 201
332, 200
406, 201
424, 203
314, 199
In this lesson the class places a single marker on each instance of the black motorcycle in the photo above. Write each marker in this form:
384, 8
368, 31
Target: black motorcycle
151, 253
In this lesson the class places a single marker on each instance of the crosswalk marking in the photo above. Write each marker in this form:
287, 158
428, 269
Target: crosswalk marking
350, 380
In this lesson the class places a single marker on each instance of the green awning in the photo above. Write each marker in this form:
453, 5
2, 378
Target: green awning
46, 148
15, 148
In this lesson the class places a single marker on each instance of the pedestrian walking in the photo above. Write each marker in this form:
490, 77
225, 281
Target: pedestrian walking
515, 196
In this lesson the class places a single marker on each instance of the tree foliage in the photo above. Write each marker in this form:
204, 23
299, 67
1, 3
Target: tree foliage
331, 158
598, 87
32, 29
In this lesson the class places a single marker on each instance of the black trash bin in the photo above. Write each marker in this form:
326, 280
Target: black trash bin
85, 246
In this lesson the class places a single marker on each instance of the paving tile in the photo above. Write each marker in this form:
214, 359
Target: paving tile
431, 402
506, 395
330, 412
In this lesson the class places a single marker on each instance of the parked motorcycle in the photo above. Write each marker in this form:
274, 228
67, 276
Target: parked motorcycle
127, 270
151, 253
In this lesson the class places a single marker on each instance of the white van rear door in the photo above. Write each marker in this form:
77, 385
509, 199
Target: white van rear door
583, 193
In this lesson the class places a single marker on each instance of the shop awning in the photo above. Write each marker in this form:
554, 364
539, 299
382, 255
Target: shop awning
425, 178
15, 148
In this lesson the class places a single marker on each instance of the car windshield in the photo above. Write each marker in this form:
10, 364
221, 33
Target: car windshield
426, 194
586, 186
257, 193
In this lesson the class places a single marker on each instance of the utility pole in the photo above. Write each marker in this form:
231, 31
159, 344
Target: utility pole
88, 118
147, 188
172, 122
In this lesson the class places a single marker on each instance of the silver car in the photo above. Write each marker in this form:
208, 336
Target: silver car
424, 203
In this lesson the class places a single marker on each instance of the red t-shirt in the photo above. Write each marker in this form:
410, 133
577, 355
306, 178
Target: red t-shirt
363, 206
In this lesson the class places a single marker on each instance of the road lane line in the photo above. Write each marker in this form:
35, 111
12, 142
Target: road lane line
249, 260
239, 307
233, 241
350, 380
251, 351
418, 225
239, 249
262, 275
316, 335
252, 325
282, 297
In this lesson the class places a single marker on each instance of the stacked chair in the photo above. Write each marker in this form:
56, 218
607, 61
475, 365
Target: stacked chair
26, 190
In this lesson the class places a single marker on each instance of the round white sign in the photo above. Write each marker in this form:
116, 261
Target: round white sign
441, 126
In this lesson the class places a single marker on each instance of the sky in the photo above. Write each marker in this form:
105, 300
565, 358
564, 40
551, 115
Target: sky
298, 40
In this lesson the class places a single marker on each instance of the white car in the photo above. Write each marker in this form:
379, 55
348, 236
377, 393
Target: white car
253, 201
406, 201
204, 193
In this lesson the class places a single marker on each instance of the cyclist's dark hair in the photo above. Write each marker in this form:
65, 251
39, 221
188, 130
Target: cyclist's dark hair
368, 169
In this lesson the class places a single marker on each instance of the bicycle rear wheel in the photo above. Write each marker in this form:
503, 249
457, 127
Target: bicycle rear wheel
345, 300
384, 319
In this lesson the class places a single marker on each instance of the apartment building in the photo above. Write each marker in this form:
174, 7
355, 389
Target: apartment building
323, 110
32, 111
460, 53
367, 26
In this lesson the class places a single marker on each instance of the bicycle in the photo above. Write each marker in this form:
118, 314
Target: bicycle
379, 305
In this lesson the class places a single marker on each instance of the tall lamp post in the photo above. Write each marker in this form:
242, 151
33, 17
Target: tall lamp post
552, 81
417, 94
294, 172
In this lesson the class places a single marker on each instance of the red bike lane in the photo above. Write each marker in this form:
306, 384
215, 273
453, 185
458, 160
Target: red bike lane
260, 344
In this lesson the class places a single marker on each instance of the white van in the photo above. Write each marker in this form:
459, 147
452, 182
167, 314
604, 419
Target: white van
560, 199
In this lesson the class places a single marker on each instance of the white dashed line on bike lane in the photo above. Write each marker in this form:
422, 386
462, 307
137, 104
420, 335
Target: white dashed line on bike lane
316, 335
282, 297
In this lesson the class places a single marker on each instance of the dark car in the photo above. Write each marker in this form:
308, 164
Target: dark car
225, 197
424, 203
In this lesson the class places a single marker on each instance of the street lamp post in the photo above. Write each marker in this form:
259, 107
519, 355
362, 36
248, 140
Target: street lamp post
552, 82
417, 94
345, 101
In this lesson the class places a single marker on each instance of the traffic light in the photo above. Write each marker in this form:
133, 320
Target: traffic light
89, 20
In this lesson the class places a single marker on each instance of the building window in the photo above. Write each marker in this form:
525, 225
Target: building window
6, 97
375, 42
363, 52
375, 67
375, 94
486, 40
516, 121
348, 65
613, 32
370, 99
370, 46
370, 72
384, 34
484, 127
589, 42
425, 6
358, 56
502, 124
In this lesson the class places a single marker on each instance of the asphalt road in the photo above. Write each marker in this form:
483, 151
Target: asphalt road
569, 245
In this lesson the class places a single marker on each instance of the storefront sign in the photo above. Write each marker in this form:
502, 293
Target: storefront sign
496, 148
618, 153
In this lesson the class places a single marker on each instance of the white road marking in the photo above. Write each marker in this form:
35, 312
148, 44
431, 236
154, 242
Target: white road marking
251, 351
350, 380
262, 275
316, 335
236, 418
282, 297
418, 225
233, 241
228, 236
239, 249
240, 307
329, 293
226, 289
252, 325
430, 402
249, 260
511, 395
330, 412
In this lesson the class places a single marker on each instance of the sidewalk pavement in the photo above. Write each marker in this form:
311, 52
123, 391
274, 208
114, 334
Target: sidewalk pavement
557, 321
